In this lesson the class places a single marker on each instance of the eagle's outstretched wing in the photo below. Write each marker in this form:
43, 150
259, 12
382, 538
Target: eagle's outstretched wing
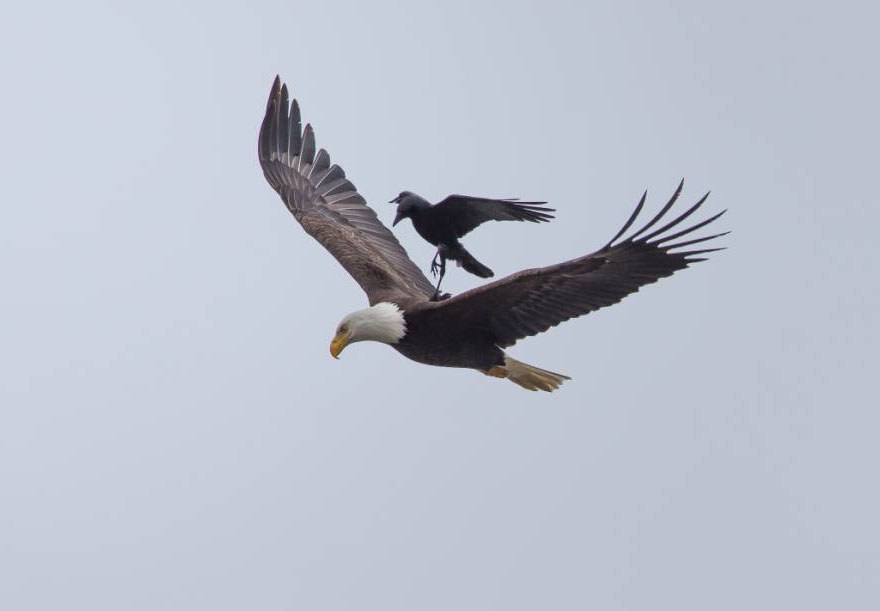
329, 207
533, 300
464, 213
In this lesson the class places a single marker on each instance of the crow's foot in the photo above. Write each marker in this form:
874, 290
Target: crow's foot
435, 268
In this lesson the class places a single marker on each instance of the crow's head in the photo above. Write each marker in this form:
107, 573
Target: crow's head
407, 202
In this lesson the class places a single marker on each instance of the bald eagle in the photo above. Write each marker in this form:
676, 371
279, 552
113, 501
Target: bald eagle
471, 329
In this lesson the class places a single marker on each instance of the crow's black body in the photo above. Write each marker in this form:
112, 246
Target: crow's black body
444, 223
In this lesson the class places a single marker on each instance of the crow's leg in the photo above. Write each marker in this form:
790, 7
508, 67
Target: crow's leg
442, 266
434, 267
441, 254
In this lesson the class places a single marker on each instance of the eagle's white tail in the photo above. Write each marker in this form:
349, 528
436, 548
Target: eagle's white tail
531, 378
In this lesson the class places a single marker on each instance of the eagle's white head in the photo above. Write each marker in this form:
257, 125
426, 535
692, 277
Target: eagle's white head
382, 322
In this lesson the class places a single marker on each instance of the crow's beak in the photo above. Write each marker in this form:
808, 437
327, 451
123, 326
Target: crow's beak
397, 218
395, 200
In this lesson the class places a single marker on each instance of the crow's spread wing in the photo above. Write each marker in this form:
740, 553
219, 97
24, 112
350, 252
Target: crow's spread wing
464, 213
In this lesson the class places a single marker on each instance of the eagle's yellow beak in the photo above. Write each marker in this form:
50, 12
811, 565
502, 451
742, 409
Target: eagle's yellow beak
340, 341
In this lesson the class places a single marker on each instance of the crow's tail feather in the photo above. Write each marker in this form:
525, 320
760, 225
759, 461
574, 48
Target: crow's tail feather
470, 264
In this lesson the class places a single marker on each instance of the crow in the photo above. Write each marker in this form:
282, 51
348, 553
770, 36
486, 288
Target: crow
442, 225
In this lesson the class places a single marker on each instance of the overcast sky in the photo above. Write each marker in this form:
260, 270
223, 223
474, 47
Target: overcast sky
175, 435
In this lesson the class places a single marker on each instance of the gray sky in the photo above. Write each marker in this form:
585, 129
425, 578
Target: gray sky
175, 435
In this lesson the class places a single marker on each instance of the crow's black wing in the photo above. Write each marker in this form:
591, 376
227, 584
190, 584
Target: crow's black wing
464, 213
